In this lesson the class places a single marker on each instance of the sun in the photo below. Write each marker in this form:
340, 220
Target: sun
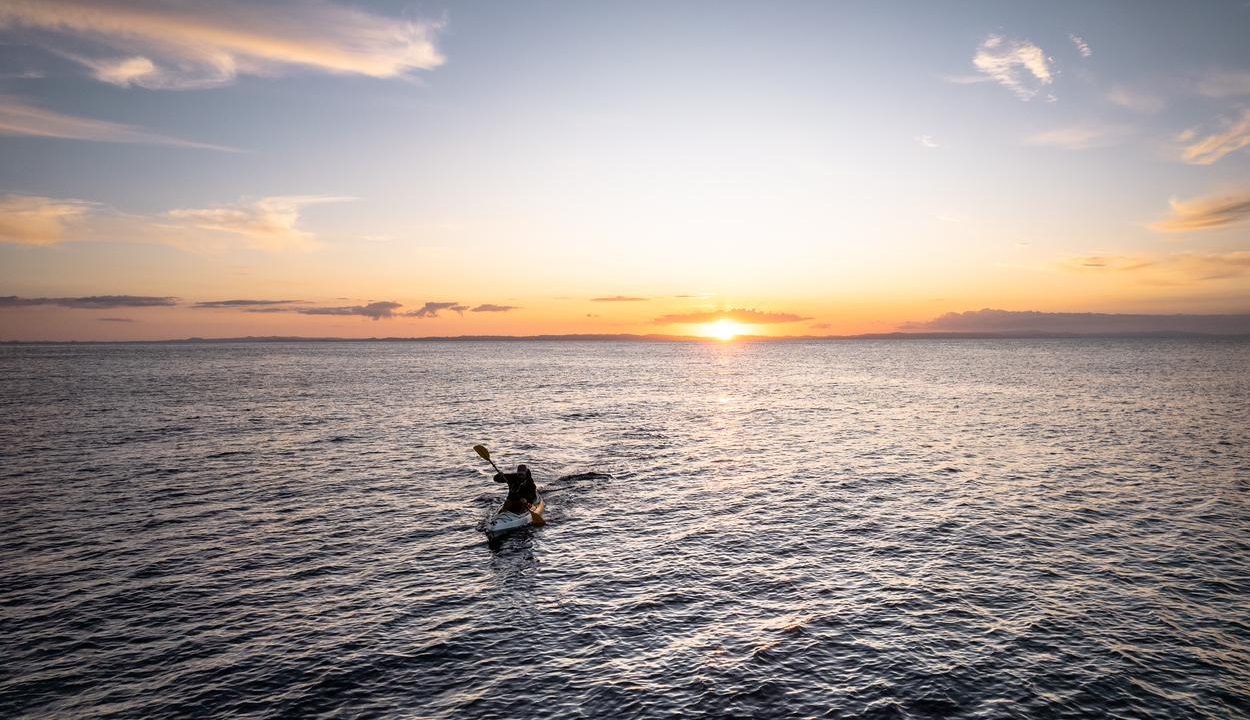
723, 329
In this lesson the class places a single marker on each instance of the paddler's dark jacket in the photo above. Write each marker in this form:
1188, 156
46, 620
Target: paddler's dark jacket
520, 486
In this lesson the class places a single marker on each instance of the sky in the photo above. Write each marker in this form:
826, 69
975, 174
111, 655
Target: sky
401, 169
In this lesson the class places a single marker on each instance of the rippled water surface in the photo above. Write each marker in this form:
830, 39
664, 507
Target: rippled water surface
1053, 528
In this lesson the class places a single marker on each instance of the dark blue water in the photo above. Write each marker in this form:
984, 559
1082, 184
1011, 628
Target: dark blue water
1055, 528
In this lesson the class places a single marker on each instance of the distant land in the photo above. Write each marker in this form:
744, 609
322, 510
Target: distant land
900, 336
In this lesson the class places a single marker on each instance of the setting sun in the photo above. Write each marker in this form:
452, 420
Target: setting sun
723, 329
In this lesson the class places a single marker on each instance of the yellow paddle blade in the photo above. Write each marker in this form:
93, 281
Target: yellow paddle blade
482, 451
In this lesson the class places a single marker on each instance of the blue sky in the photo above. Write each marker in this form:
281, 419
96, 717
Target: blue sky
859, 165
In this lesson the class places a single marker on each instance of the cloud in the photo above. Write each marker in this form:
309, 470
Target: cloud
227, 304
1225, 84
114, 319
1081, 46
432, 309
1205, 213
94, 302
927, 141
31, 220
1233, 135
18, 117
1135, 100
1175, 268
373, 311
1006, 321
751, 317
494, 308
267, 224
619, 298
1077, 137
1017, 65
182, 45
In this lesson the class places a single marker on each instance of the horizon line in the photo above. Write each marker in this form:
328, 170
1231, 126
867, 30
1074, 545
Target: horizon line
658, 337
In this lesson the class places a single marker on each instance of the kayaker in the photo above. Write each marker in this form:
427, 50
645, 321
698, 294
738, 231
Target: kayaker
522, 493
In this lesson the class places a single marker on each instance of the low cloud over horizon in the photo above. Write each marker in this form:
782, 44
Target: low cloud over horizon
373, 311
93, 302
432, 309
1028, 322
619, 298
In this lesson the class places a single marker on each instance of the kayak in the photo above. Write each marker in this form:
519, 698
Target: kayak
505, 521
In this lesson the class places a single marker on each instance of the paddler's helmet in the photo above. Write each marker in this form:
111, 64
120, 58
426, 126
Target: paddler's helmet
523, 470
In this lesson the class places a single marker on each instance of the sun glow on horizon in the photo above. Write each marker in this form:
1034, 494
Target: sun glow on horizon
723, 329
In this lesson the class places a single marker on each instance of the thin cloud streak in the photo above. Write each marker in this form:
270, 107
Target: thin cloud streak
235, 304
494, 308
93, 302
619, 298
1233, 136
750, 317
1173, 269
197, 45
1077, 137
1205, 213
21, 118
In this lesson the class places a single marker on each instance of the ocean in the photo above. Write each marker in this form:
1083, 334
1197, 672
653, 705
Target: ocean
1049, 528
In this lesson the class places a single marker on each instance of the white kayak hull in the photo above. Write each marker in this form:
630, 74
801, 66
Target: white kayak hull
505, 521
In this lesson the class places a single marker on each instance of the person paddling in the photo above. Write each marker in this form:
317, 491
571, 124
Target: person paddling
522, 493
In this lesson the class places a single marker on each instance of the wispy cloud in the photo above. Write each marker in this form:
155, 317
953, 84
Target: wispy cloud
1224, 84
1018, 65
31, 220
18, 117
1081, 46
183, 45
115, 319
1233, 134
494, 308
751, 317
1210, 213
267, 224
373, 311
432, 309
1173, 268
94, 302
619, 298
927, 141
1135, 100
242, 304
1007, 321
1078, 137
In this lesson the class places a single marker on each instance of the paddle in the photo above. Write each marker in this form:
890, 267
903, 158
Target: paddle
536, 517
